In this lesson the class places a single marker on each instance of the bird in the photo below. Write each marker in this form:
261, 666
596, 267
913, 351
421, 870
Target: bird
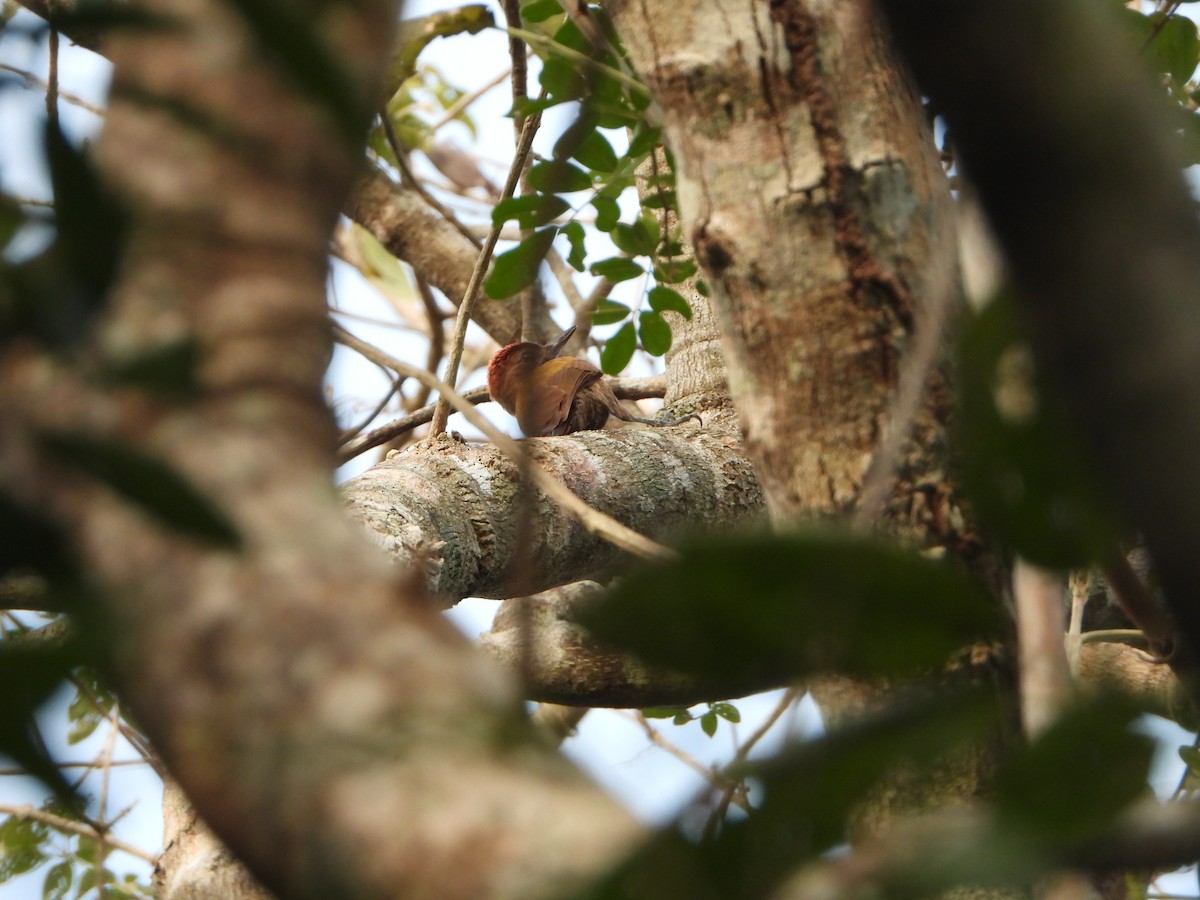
555, 395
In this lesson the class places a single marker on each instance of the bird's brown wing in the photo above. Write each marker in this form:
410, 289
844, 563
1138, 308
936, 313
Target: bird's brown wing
544, 406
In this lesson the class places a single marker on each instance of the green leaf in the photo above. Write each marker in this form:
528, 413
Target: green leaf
708, 723
661, 200
516, 269
558, 175
12, 217
528, 106
414, 35
529, 210
662, 712
617, 269
1176, 46
1092, 743
57, 883
30, 672
663, 299
574, 233
673, 271
637, 239
727, 711
682, 717
541, 10
92, 226
1191, 757
378, 265
145, 481
822, 601
22, 844
563, 79
655, 333
810, 793
609, 312
645, 139
608, 212
84, 717
596, 152
1026, 470
618, 350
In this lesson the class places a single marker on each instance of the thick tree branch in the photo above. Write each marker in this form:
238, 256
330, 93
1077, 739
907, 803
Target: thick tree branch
453, 508
401, 221
560, 662
823, 259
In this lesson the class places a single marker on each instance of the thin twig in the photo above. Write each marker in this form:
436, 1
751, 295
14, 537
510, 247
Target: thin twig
394, 429
520, 64
437, 338
712, 776
593, 520
61, 823
730, 792
552, 46
66, 96
104, 763
52, 79
411, 180
349, 434
452, 112
481, 266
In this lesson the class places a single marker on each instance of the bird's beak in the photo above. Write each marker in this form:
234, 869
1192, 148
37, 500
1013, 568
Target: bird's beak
553, 349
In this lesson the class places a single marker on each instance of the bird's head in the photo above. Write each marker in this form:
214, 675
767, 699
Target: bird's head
516, 361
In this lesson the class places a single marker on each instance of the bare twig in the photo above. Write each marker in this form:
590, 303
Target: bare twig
349, 434
26, 812
410, 179
398, 427
481, 266
520, 63
734, 786
452, 112
437, 338
714, 777
66, 96
52, 80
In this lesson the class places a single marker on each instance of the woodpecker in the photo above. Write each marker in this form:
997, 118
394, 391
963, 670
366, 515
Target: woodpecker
551, 394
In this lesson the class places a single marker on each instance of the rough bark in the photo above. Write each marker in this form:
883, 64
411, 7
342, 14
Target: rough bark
455, 509
808, 185
405, 224
333, 729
